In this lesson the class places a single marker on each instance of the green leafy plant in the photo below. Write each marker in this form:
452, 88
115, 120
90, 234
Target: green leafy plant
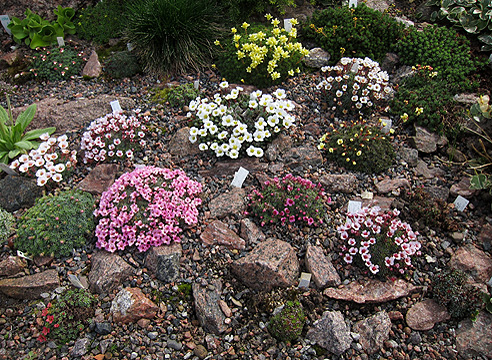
261, 55
474, 16
481, 110
101, 22
7, 222
447, 52
358, 146
65, 318
57, 64
353, 32
56, 224
13, 139
37, 32
240, 10
290, 200
451, 290
122, 64
171, 36
287, 324
177, 96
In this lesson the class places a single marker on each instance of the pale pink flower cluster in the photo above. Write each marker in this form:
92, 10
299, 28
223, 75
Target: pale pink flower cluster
114, 136
146, 208
49, 161
379, 239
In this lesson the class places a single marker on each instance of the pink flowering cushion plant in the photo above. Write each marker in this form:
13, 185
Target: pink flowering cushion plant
379, 241
288, 201
145, 208
115, 136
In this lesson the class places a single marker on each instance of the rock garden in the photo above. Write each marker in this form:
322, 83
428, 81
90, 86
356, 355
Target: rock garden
198, 179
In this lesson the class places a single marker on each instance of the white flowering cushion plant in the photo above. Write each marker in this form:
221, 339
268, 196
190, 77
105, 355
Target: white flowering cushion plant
115, 136
378, 241
236, 124
49, 162
354, 86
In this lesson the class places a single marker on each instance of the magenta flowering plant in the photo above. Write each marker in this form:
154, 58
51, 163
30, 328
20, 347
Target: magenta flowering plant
115, 136
288, 200
379, 241
146, 207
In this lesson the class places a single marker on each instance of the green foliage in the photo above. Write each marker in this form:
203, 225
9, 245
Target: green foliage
101, 22
122, 64
240, 10
13, 140
481, 110
443, 49
288, 323
37, 32
474, 16
56, 64
172, 36
67, 316
7, 222
261, 55
358, 146
177, 96
487, 299
355, 32
425, 99
56, 224
451, 290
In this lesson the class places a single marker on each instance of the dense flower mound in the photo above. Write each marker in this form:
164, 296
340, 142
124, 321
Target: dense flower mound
237, 124
145, 208
379, 241
114, 136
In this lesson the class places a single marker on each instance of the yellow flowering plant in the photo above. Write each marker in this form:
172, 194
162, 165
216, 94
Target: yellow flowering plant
261, 55
358, 146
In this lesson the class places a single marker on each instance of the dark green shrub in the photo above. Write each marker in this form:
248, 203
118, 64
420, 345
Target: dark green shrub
178, 96
57, 224
101, 22
443, 49
356, 32
451, 290
288, 323
7, 222
171, 36
122, 64
358, 146
57, 64
240, 10
66, 317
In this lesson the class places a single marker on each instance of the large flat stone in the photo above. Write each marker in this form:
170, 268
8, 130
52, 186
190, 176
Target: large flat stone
32, 286
425, 314
219, 233
322, 270
130, 305
108, 271
331, 333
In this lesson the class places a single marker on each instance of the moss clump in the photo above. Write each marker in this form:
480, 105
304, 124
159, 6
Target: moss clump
7, 222
287, 324
177, 96
122, 64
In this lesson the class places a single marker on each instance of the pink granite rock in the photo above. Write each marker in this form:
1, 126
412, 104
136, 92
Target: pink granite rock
322, 270
423, 315
93, 67
219, 233
346, 183
99, 179
108, 271
388, 185
180, 144
229, 203
474, 262
130, 305
250, 232
473, 338
163, 261
32, 286
207, 307
11, 265
373, 331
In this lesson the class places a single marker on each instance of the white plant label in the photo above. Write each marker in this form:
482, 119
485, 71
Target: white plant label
304, 281
60, 40
196, 84
386, 125
352, 3
5, 19
22, 255
287, 25
367, 195
115, 105
129, 46
239, 177
461, 203
354, 206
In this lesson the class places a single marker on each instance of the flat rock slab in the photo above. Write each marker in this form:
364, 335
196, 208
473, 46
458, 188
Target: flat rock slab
372, 291
331, 332
389, 185
303, 156
32, 286
130, 305
17, 192
272, 263
163, 261
373, 331
229, 203
425, 314
463, 188
322, 270
474, 262
473, 338
219, 233
427, 142
108, 271
207, 306
346, 183
180, 144
99, 179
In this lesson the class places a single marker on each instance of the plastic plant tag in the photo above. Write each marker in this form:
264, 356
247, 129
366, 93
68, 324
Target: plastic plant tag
352, 3
367, 195
5, 19
386, 125
75, 281
353, 206
22, 255
129, 46
304, 280
461, 203
239, 177
287, 25
115, 105
196, 84
60, 40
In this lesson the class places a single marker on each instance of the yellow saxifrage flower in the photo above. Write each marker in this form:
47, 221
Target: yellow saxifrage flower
330, 150
404, 117
233, 30
268, 17
321, 146
340, 141
217, 42
419, 111
359, 153
245, 25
